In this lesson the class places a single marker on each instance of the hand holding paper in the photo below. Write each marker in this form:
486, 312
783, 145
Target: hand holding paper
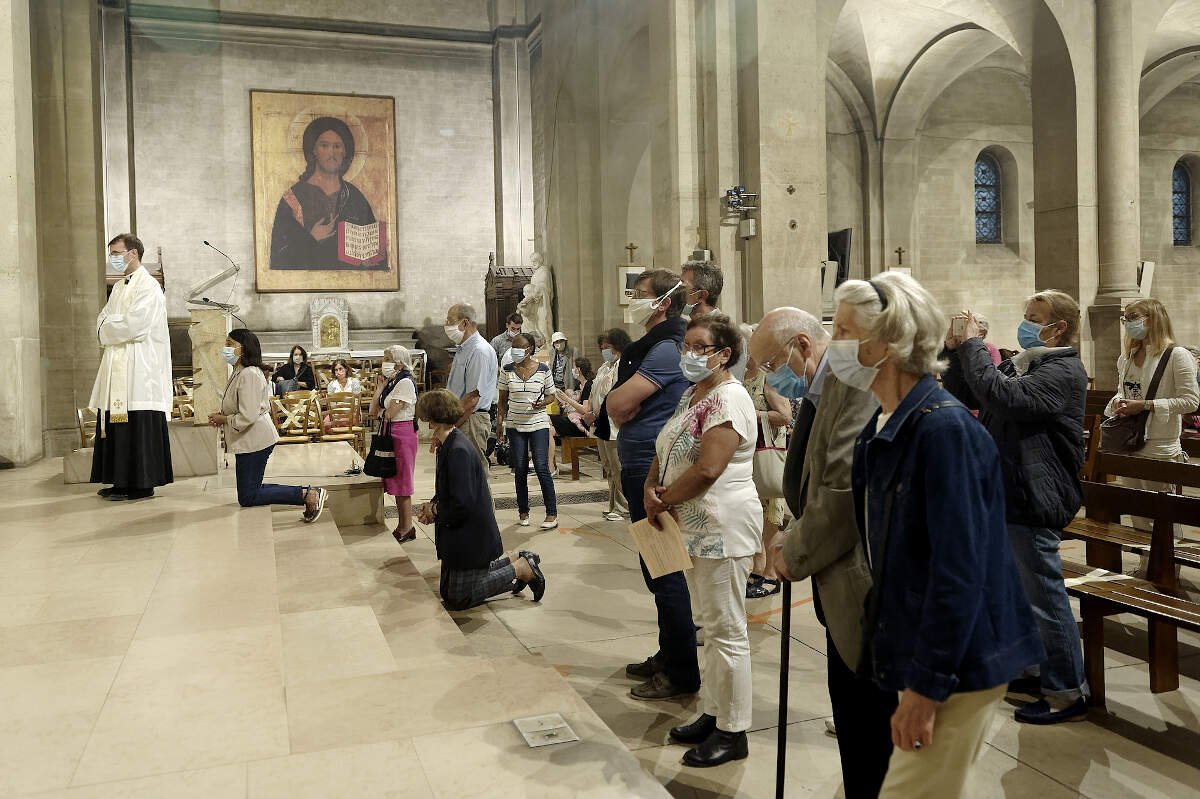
662, 549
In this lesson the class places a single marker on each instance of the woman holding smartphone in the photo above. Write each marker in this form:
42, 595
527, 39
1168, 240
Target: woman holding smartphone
526, 389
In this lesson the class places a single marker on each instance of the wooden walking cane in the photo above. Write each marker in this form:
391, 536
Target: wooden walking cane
785, 651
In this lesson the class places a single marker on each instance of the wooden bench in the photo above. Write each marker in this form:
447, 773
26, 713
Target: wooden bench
570, 450
1103, 591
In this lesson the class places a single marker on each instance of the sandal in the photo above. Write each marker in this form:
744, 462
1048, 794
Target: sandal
760, 589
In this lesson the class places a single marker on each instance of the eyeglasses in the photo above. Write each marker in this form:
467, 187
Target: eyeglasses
770, 366
699, 349
1132, 317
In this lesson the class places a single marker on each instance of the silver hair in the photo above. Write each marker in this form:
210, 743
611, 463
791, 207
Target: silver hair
400, 355
463, 311
912, 325
784, 323
984, 326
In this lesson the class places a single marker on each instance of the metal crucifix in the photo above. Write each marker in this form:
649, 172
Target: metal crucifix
900, 255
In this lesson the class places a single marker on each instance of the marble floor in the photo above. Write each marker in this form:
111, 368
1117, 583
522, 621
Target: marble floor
182, 647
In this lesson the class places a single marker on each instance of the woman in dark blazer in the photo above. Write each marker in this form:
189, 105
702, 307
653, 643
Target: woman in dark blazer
297, 374
474, 564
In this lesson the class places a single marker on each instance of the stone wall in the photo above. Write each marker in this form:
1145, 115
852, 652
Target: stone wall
192, 160
1171, 131
987, 109
844, 169
457, 14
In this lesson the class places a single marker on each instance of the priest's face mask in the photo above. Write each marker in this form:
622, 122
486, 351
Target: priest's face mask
119, 259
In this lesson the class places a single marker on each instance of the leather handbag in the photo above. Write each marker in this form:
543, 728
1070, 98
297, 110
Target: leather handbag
381, 460
770, 455
1128, 433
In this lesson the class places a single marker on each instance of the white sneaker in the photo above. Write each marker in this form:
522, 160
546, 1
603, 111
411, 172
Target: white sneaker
549, 525
524, 521
613, 516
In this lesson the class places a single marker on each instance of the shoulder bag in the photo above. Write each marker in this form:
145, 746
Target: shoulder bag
770, 455
1128, 433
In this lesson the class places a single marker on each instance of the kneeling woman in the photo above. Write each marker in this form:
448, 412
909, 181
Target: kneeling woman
474, 565
250, 434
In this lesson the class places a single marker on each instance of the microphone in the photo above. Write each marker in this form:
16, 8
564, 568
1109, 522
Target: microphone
223, 255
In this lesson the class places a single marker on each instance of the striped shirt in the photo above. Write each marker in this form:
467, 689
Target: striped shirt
522, 394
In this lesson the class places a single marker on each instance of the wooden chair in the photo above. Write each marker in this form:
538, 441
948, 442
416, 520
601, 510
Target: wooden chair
182, 408
343, 420
294, 418
1103, 591
86, 419
571, 445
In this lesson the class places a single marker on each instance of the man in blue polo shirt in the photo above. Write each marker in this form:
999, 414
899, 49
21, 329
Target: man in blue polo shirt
472, 376
649, 385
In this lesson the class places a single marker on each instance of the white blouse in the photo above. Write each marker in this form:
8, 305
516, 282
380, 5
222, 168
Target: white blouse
405, 391
352, 385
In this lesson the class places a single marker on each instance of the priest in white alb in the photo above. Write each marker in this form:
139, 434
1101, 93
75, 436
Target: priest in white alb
133, 390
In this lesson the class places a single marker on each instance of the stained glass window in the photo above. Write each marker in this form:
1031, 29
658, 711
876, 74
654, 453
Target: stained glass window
987, 200
1181, 205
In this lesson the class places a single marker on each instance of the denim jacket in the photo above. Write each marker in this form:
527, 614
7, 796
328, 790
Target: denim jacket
947, 612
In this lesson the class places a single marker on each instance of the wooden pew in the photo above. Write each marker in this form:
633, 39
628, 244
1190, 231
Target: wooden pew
1104, 591
1107, 537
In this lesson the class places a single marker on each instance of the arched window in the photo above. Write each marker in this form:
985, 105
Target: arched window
1181, 205
987, 200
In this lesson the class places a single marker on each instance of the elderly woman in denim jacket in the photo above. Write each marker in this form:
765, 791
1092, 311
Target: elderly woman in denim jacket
947, 624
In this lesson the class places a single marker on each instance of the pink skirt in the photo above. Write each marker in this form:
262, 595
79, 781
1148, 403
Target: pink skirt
404, 439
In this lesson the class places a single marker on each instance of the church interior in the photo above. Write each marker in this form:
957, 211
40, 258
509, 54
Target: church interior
529, 156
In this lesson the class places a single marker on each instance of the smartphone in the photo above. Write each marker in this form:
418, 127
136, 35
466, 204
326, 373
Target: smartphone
958, 326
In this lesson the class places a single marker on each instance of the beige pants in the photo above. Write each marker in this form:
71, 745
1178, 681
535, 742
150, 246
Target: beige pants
941, 769
477, 428
612, 469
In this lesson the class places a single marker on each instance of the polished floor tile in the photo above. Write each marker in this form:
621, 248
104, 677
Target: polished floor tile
386, 770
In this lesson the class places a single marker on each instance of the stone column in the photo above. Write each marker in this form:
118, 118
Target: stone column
783, 45
70, 227
1118, 180
20, 332
513, 134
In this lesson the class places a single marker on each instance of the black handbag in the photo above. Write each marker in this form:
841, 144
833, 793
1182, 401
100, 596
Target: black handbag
1128, 433
381, 460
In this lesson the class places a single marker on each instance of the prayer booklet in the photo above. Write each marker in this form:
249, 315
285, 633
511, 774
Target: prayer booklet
544, 730
663, 550
362, 244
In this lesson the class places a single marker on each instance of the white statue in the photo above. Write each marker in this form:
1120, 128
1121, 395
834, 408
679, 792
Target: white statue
538, 303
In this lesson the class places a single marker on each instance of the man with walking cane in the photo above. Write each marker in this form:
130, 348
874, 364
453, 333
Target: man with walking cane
823, 541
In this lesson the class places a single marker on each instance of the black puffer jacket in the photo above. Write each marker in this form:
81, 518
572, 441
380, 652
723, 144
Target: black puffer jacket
1036, 420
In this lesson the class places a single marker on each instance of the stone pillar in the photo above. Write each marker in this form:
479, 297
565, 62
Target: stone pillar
70, 226
20, 331
513, 134
1118, 180
783, 45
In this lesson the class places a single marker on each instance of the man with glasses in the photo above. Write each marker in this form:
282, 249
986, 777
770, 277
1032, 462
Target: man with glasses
649, 385
823, 541
703, 281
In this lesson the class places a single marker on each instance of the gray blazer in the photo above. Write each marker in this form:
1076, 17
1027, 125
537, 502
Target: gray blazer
246, 405
823, 543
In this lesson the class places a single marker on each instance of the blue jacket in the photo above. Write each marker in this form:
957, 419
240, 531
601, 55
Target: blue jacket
1036, 420
947, 612
465, 532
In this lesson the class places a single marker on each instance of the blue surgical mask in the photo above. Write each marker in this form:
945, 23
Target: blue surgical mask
518, 354
228, 355
787, 383
1136, 329
694, 367
687, 309
607, 355
116, 263
1029, 335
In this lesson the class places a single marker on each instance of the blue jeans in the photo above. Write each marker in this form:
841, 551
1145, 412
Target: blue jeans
519, 445
249, 468
1036, 552
676, 630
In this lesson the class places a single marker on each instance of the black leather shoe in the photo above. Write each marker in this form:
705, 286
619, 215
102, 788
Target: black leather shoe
1040, 712
538, 583
533, 557
696, 732
141, 493
718, 748
644, 670
108, 492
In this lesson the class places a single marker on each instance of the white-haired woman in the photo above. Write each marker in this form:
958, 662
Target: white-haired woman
947, 624
395, 402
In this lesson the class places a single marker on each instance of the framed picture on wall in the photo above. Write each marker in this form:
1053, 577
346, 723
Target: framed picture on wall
627, 275
324, 191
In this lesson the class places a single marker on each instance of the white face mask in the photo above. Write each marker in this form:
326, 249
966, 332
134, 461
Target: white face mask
518, 354
639, 310
297, 359
229, 355
843, 361
454, 334
388, 368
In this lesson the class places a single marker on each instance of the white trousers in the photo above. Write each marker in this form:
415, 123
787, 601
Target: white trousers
719, 585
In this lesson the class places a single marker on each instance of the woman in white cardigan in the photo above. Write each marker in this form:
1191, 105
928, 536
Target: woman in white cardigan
1148, 334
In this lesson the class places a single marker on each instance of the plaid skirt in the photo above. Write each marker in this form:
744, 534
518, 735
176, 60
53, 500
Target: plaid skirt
465, 588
